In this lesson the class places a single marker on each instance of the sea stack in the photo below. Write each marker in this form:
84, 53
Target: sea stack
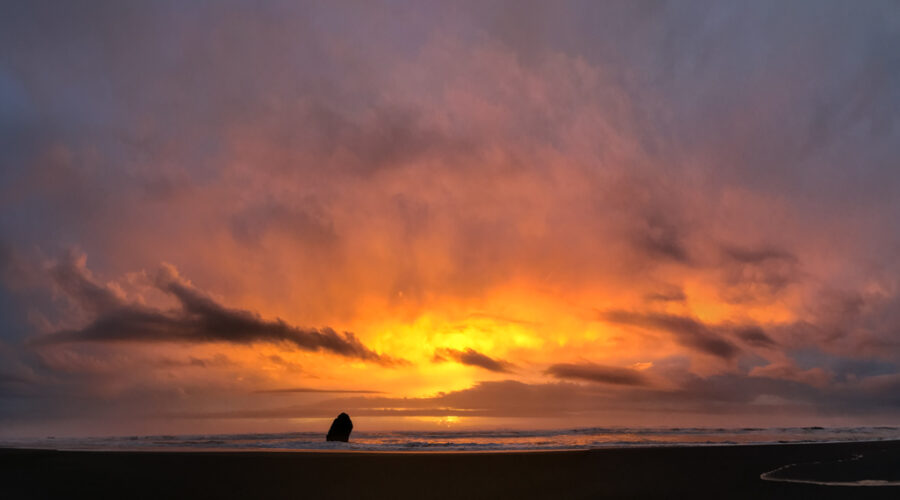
340, 429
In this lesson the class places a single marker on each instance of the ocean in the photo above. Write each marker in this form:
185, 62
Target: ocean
469, 441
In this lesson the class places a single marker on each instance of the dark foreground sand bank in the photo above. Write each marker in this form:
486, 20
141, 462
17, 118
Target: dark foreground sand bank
688, 472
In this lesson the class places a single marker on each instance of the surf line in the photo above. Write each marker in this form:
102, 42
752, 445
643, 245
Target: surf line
767, 476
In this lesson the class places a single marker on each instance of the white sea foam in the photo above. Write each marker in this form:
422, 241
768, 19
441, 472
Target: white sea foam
785, 471
862, 482
767, 476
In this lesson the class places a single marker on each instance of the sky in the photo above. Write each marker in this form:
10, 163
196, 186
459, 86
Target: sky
239, 216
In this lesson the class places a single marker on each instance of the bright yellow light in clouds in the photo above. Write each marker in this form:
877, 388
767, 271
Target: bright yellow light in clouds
453, 327
523, 328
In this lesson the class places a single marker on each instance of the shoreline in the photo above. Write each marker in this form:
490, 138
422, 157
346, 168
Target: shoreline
162, 449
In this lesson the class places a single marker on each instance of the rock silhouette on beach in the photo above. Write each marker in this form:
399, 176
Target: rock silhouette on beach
340, 429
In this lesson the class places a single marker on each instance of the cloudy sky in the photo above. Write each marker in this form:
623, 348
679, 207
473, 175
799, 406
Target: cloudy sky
233, 216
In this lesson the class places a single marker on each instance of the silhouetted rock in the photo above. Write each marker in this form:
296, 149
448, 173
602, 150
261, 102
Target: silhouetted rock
340, 429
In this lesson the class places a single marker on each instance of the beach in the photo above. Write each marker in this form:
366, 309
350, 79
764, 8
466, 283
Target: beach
660, 472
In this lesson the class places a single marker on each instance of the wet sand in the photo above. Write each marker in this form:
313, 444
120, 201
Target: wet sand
682, 472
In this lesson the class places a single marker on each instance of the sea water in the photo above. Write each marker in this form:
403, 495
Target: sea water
468, 441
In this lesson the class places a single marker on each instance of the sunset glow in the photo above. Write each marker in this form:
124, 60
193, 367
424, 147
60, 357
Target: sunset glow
233, 217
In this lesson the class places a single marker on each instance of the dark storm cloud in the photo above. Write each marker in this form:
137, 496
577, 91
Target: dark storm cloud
199, 319
472, 357
597, 373
687, 331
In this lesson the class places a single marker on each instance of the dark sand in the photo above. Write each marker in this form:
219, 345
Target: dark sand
683, 472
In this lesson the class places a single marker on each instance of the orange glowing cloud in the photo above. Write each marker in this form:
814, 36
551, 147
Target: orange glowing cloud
448, 219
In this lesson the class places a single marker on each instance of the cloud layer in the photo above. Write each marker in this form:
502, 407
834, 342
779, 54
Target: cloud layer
472, 357
637, 205
199, 318
597, 373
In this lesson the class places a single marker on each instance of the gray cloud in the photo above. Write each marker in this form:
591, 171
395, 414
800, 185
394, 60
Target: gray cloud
754, 335
597, 373
306, 224
757, 255
74, 280
688, 332
752, 274
472, 357
668, 294
200, 319
661, 237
